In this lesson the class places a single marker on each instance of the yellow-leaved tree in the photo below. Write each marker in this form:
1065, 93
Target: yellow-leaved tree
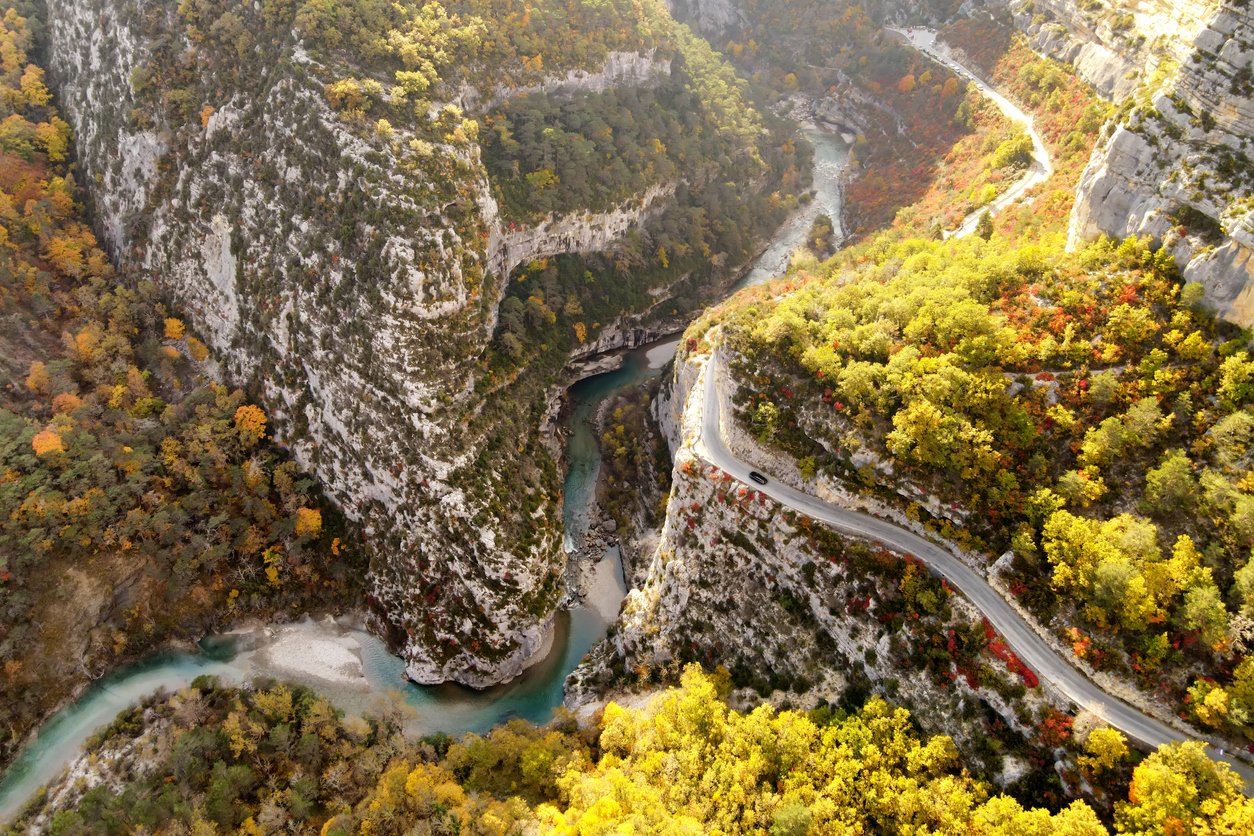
46, 442
308, 522
250, 421
689, 764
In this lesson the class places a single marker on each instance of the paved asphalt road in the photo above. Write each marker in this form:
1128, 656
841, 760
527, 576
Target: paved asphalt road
1042, 167
1029, 646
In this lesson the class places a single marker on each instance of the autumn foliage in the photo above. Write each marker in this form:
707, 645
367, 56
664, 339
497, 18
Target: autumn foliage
250, 420
119, 462
46, 442
308, 522
230, 760
1077, 409
1065, 110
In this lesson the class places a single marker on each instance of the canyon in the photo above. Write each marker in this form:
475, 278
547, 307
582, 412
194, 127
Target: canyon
355, 282
190, 205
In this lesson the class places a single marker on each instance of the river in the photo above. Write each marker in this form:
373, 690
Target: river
353, 667
830, 156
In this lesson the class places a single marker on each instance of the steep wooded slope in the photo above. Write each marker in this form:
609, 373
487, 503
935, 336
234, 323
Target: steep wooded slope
302, 178
140, 501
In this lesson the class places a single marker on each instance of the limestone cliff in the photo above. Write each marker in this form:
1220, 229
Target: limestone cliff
793, 610
620, 69
712, 18
344, 284
352, 279
1112, 46
573, 233
1176, 165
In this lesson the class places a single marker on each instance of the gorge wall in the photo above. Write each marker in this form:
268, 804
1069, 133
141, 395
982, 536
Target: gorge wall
352, 280
1176, 164
362, 366
712, 18
1111, 46
792, 610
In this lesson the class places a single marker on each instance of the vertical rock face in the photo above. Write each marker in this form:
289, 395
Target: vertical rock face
1176, 166
621, 69
573, 233
712, 18
1111, 46
350, 281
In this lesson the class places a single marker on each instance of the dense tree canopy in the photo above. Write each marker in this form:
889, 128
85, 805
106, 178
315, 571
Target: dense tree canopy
280, 758
1080, 409
595, 151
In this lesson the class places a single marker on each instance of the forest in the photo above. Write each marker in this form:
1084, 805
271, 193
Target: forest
423, 45
736, 172
279, 758
123, 465
1078, 409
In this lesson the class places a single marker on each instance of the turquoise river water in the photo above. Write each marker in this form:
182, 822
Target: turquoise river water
448, 708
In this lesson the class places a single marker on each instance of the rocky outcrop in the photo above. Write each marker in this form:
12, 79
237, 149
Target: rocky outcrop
621, 69
573, 233
719, 543
1114, 48
351, 279
1132, 188
711, 18
1177, 167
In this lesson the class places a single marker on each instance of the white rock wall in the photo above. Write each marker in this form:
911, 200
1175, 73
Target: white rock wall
1111, 46
352, 282
1186, 148
1185, 143
621, 69
711, 18
587, 232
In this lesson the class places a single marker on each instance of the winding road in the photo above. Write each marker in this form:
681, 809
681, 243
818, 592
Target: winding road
1042, 167
1018, 634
